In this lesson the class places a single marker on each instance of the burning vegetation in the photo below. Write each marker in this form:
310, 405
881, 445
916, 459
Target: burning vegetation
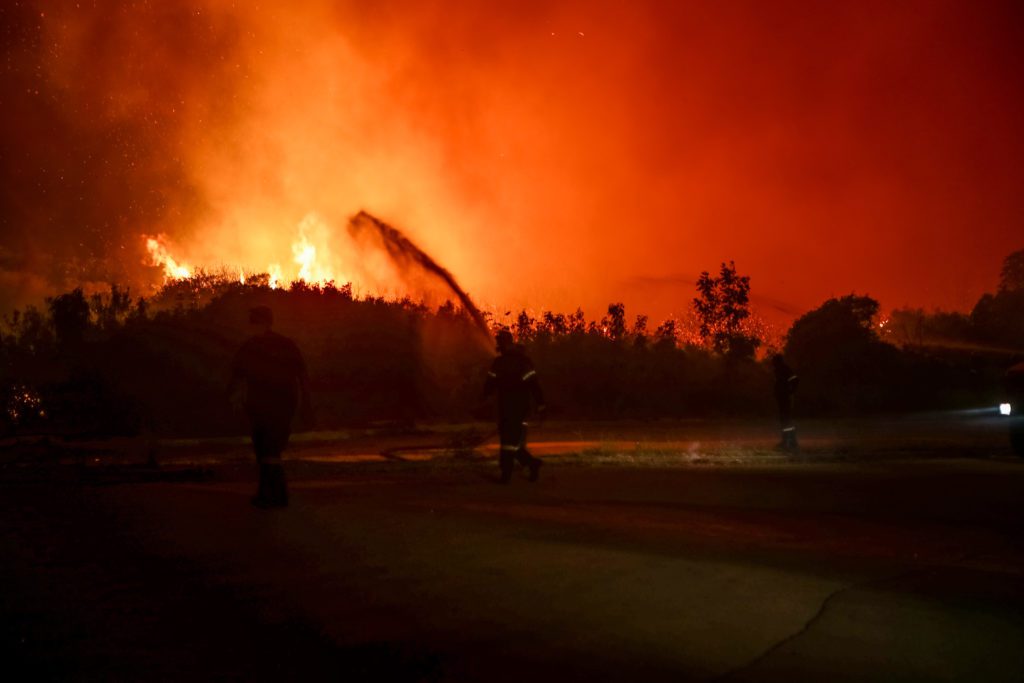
311, 260
112, 363
315, 260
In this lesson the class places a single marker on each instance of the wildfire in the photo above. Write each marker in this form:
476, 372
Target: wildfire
159, 256
274, 270
312, 234
311, 255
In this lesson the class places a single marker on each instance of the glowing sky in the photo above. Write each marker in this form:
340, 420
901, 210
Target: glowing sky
548, 154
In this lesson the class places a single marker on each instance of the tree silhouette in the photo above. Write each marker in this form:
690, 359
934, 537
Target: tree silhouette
70, 314
666, 334
843, 365
639, 332
837, 328
999, 318
524, 327
1012, 275
614, 324
722, 306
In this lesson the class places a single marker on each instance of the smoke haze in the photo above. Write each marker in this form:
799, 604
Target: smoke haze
549, 154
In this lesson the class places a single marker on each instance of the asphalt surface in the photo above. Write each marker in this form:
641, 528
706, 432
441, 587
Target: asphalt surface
756, 569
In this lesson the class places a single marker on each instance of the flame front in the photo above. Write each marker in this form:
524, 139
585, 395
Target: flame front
274, 270
312, 257
313, 241
159, 256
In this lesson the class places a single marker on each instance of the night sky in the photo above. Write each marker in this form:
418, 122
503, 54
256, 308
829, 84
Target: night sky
549, 154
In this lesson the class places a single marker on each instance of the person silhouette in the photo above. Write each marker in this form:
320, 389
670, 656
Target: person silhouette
786, 382
273, 373
513, 378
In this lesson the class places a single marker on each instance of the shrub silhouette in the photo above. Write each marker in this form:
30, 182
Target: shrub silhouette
108, 365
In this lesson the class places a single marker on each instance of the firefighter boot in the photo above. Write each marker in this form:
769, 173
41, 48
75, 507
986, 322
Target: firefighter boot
789, 440
534, 466
507, 462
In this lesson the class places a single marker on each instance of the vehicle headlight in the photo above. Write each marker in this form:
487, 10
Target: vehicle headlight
1005, 409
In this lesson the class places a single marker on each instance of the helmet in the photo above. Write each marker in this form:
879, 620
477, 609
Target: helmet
504, 339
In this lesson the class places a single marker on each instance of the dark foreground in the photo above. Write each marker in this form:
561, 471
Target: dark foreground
897, 569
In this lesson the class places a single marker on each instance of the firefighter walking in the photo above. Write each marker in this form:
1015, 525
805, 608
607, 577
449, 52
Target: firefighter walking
514, 379
786, 382
273, 372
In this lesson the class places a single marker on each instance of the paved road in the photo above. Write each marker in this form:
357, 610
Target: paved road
888, 571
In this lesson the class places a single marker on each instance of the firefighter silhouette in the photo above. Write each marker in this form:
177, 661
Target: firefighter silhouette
273, 373
786, 383
513, 378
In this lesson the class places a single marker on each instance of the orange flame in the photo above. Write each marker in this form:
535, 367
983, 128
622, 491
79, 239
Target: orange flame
311, 255
159, 256
312, 234
274, 270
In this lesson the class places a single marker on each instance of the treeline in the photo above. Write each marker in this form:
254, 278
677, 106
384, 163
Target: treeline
113, 364
107, 364
854, 361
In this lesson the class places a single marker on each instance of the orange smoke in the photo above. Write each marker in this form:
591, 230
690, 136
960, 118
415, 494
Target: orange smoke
322, 133
548, 154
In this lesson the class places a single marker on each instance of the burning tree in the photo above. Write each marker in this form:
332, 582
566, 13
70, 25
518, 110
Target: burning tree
722, 307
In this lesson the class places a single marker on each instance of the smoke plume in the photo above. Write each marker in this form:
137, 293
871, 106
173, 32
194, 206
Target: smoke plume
583, 144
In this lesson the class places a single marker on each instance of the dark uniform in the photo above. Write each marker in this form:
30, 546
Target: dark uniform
513, 378
786, 383
273, 371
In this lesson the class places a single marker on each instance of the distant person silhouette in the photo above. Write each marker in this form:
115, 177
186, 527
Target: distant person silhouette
786, 382
273, 372
513, 378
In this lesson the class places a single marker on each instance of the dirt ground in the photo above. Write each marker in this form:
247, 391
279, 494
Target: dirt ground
888, 551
